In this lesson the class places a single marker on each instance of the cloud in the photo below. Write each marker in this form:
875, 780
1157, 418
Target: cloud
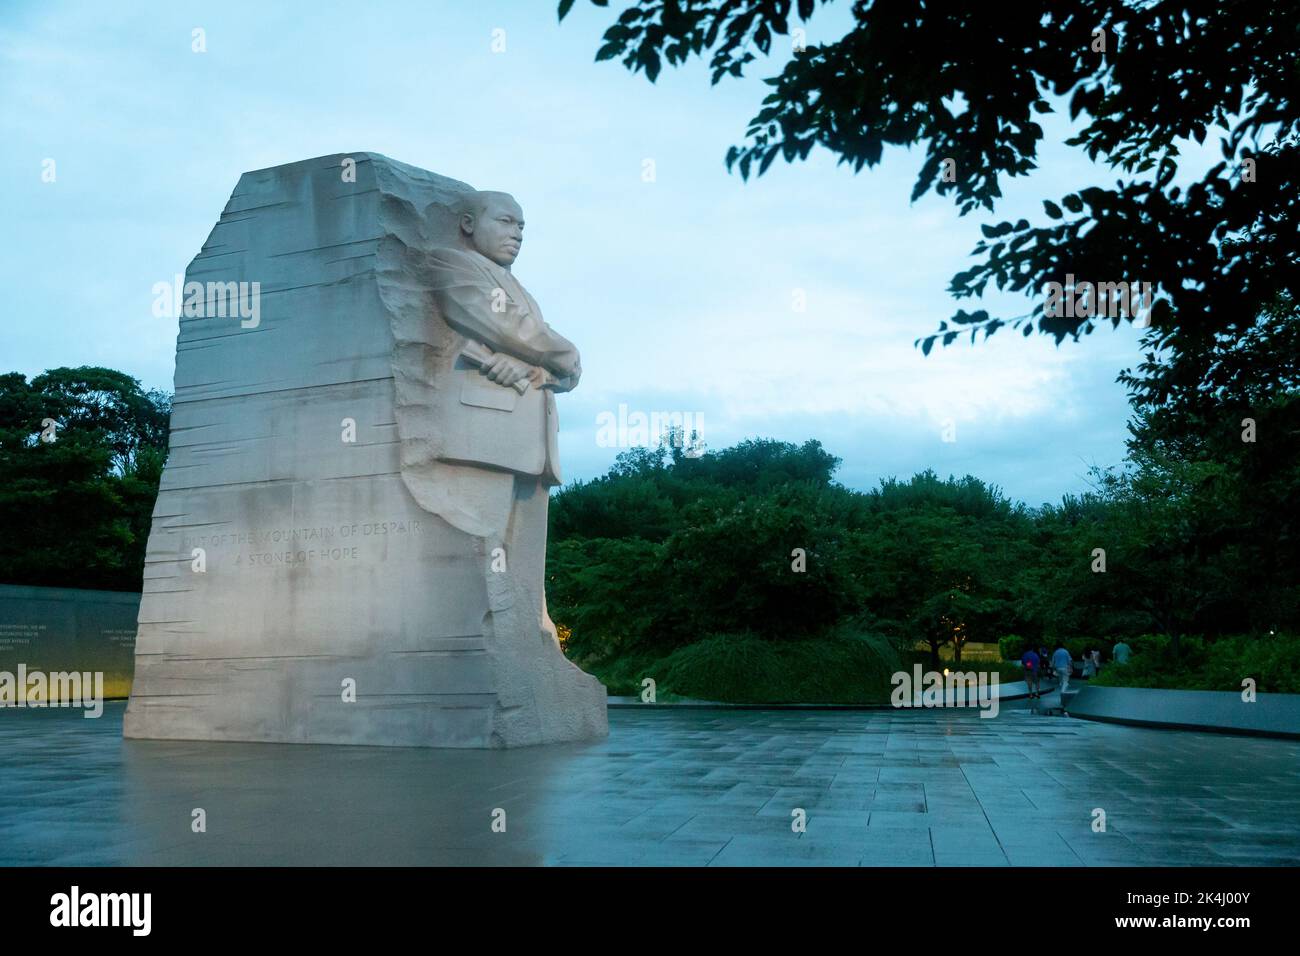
682, 292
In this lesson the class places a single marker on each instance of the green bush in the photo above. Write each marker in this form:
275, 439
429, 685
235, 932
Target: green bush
1007, 671
757, 555
1078, 646
1012, 647
746, 669
622, 675
1209, 665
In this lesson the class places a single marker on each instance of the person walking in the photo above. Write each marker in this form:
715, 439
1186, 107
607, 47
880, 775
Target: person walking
1119, 654
1063, 663
1089, 663
1033, 666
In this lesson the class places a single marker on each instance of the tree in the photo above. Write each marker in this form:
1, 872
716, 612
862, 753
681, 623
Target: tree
967, 80
1222, 449
1066, 595
945, 561
109, 406
1228, 377
667, 548
80, 500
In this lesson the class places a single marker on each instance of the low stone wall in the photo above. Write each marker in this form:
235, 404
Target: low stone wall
1270, 715
54, 630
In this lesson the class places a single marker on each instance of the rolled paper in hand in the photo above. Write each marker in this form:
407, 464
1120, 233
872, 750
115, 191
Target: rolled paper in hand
479, 355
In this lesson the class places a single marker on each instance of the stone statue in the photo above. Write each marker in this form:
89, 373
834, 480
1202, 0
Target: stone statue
499, 409
497, 452
350, 536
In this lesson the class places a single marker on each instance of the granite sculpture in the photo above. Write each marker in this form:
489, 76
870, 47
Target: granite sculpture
349, 540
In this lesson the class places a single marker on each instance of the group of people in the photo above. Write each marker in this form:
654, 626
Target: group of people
1062, 662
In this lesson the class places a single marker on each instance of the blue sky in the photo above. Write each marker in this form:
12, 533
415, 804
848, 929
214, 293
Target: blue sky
679, 292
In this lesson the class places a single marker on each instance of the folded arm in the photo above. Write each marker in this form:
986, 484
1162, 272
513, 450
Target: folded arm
465, 296
505, 369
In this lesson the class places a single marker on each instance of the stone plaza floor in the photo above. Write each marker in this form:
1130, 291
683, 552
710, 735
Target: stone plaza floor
670, 786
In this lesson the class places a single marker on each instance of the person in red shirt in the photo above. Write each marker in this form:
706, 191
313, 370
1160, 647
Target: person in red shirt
1033, 666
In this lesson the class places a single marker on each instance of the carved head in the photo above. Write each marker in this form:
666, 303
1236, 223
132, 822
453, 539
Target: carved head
493, 225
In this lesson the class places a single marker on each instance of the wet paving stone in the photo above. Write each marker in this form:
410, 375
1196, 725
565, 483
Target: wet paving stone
687, 787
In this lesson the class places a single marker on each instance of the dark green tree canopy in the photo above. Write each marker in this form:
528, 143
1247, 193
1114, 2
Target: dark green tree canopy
82, 501
100, 404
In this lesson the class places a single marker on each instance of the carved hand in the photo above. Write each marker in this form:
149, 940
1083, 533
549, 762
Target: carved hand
505, 370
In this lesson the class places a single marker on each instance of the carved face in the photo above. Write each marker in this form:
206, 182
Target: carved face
497, 231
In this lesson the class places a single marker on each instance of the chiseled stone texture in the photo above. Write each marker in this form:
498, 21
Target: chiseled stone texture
321, 566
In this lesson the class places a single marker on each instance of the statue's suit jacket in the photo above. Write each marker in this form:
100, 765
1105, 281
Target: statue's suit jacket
483, 423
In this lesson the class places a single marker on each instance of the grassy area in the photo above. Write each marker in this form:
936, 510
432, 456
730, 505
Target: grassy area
971, 652
1007, 671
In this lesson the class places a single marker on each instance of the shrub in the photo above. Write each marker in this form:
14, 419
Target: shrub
1209, 665
1012, 647
745, 669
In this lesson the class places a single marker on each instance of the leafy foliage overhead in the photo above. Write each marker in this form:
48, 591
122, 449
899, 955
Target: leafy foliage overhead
967, 82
